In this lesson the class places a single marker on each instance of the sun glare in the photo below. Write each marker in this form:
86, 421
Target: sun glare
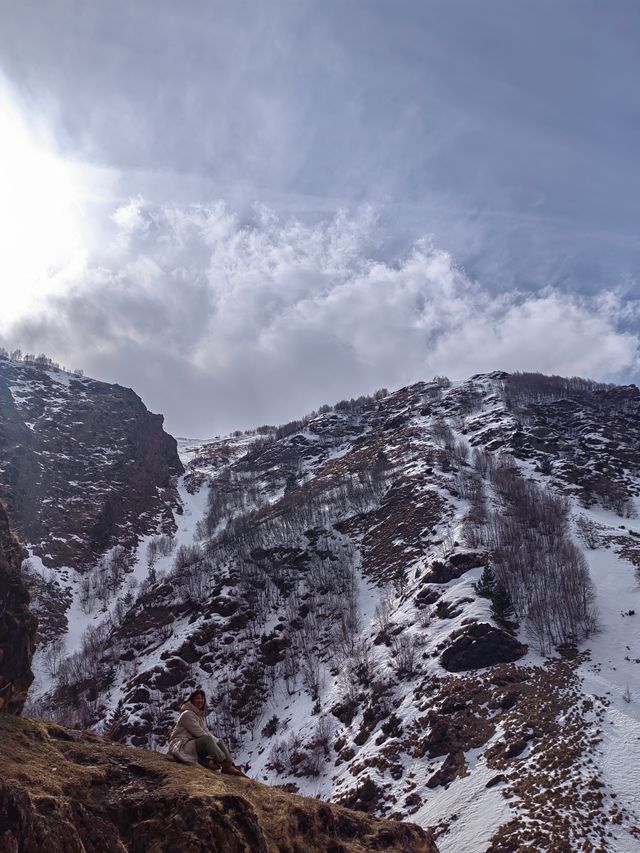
42, 198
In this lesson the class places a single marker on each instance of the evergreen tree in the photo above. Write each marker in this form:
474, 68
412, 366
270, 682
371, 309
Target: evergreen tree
291, 483
401, 580
114, 720
380, 466
501, 604
486, 585
546, 465
271, 726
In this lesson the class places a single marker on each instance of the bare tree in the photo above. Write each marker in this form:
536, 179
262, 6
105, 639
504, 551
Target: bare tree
53, 656
405, 652
546, 576
588, 532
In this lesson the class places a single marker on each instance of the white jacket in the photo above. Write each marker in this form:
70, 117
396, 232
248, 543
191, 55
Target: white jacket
190, 725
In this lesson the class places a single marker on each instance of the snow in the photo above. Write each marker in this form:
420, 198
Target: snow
61, 377
467, 812
194, 507
471, 811
611, 671
79, 621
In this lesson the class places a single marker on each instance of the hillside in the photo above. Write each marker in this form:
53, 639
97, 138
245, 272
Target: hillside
84, 467
61, 790
320, 585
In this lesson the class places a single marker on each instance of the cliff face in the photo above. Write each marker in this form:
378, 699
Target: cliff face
64, 792
17, 625
80, 456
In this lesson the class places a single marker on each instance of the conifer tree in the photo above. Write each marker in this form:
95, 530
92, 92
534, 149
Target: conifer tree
486, 585
114, 719
291, 483
501, 604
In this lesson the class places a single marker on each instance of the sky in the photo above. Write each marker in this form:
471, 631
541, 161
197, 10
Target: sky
246, 209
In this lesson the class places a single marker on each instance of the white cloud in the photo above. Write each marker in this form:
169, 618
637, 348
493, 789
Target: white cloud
224, 323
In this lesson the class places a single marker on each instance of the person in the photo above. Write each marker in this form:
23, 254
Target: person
191, 742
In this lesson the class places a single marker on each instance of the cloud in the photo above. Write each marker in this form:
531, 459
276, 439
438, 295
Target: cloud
444, 114
225, 321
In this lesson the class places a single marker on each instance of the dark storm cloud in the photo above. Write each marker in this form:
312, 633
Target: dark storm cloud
510, 124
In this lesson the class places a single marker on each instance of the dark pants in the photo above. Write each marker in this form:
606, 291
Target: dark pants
207, 745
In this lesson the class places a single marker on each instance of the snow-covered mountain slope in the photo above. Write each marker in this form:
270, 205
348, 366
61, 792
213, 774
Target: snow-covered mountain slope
320, 585
84, 468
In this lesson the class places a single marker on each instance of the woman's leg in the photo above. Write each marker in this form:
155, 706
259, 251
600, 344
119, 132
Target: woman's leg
227, 765
224, 750
208, 746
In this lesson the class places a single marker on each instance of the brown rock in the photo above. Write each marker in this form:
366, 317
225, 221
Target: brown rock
481, 645
456, 566
17, 625
452, 767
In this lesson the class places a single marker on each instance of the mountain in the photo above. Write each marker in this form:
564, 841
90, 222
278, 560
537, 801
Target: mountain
419, 604
80, 456
83, 467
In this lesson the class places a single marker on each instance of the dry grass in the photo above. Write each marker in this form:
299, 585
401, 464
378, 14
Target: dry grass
545, 734
139, 793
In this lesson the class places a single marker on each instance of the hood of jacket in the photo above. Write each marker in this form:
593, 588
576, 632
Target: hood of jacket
189, 706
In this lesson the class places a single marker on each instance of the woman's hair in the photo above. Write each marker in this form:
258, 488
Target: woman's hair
197, 692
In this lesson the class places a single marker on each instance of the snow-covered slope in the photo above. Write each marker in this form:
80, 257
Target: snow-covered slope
320, 586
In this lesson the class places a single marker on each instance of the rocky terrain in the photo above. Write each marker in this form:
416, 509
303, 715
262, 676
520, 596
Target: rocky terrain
84, 467
63, 791
83, 456
419, 604
17, 624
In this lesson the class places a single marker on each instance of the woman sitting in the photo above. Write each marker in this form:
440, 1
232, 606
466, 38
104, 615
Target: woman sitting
192, 742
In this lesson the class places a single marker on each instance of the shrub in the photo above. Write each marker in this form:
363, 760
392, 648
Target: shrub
271, 726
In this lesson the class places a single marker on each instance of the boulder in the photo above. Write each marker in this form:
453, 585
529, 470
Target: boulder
456, 566
481, 645
452, 767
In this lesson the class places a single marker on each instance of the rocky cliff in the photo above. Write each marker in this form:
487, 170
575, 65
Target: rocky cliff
17, 625
83, 457
61, 791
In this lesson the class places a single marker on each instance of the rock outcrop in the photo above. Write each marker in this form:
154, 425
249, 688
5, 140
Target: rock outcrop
17, 625
481, 645
83, 457
61, 791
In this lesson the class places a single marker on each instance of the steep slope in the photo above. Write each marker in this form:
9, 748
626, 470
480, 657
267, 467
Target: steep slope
82, 457
63, 791
321, 587
84, 469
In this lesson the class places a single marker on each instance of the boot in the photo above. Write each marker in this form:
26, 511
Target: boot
230, 769
210, 763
